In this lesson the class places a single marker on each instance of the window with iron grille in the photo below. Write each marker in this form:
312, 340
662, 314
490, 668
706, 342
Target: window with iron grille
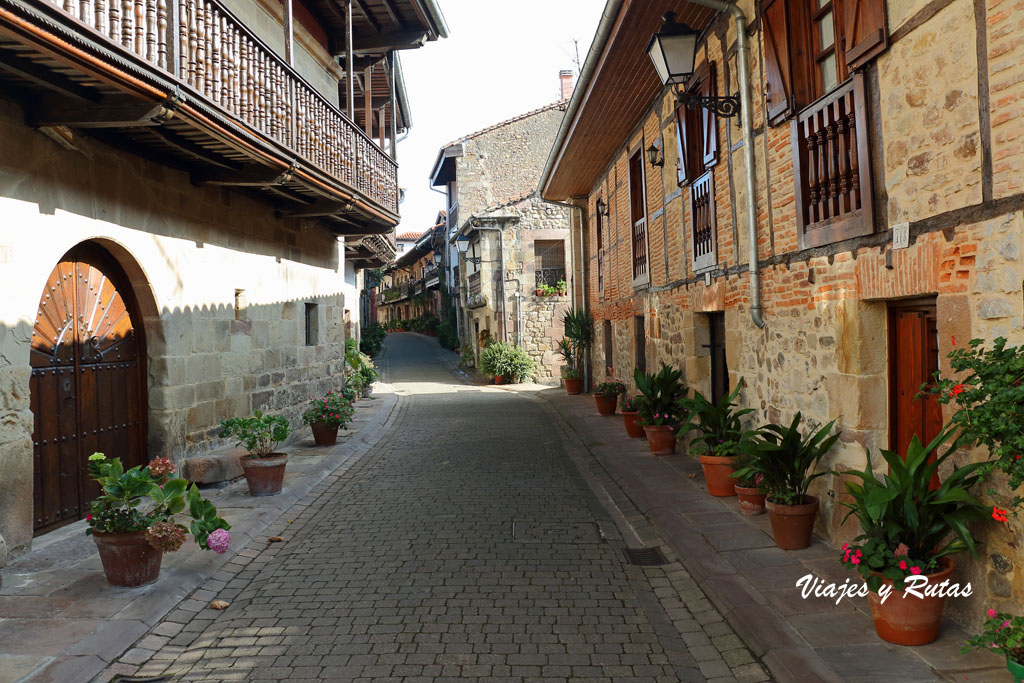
549, 261
638, 217
698, 153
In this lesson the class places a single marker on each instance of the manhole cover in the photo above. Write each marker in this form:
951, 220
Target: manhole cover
560, 533
647, 557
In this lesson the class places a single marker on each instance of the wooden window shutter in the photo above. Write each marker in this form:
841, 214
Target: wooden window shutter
865, 30
709, 122
777, 67
682, 147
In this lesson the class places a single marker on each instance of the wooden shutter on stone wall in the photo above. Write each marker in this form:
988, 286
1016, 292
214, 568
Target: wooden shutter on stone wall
709, 122
777, 67
865, 30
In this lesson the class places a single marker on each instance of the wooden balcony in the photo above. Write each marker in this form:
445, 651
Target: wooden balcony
185, 83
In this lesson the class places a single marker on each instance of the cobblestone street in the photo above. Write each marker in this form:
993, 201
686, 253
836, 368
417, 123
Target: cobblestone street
467, 545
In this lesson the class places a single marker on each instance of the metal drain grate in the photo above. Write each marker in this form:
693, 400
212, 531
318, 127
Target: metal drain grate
647, 557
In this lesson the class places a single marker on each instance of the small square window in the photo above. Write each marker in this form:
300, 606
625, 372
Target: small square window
312, 324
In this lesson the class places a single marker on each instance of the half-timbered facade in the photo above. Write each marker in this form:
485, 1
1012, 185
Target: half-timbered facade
189, 191
884, 226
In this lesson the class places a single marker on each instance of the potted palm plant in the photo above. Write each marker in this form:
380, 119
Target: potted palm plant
579, 335
606, 395
326, 415
910, 529
785, 458
720, 435
660, 412
133, 523
260, 434
631, 416
1003, 634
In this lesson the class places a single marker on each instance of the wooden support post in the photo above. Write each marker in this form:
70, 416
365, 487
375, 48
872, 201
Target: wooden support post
381, 127
350, 70
173, 37
289, 33
368, 101
393, 133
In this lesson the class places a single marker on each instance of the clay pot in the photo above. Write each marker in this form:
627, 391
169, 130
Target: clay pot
606, 404
716, 475
661, 439
265, 475
324, 434
910, 620
751, 501
573, 385
128, 559
792, 524
633, 428
499, 379
1016, 670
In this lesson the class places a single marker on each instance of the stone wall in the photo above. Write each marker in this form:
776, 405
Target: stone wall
187, 251
825, 350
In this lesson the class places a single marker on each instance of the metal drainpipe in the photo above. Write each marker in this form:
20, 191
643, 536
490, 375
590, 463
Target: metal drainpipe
577, 211
747, 114
501, 270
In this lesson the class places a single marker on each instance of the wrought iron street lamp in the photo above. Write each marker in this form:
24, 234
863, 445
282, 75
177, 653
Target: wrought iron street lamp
462, 244
654, 155
673, 50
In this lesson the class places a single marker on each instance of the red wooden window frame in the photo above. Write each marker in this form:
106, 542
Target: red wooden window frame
640, 252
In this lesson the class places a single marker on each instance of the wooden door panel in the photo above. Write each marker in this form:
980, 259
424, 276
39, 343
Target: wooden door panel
913, 348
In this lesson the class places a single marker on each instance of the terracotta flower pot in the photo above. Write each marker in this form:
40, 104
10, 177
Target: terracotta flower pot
751, 501
573, 385
128, 559
633, 428
499, 379
606, 404
716, 475
792, 524
907, 619
324, 434
265, 475
661, 439
1016, 670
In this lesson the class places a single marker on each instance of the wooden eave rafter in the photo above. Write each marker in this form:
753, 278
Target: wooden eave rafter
618, 93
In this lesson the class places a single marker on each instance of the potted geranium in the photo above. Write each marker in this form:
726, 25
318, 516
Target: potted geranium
132, 521
910, 529
606, 395
660, 411
631, 416
786, 458
326, 415
1003, 634
719, 437
989, 397
260, 434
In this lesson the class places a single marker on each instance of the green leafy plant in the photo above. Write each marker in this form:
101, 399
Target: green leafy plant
610, 389
1003, 634
662, 397
990, 402
631, 404
260, 434
569, 369
466, 356
579, 336
147, 499
333, 410
506, 360
719, 426
372, 339
785, 458
447, 337
906, 526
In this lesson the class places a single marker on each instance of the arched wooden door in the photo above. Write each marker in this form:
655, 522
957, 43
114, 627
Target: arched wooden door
88, 382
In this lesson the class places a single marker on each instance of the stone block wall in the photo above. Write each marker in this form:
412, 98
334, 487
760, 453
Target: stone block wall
947, 160
222, 283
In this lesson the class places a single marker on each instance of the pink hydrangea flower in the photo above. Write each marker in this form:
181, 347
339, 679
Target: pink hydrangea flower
218, 541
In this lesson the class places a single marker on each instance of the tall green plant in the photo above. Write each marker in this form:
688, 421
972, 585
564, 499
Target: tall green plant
719, 425
579, 335
906, 526
662, 394
785, 457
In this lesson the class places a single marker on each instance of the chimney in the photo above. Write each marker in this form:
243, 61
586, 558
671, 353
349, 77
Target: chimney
566, 79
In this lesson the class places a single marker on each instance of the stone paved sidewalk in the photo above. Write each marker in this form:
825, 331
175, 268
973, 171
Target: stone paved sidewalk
733, 559
60, 620
467, 545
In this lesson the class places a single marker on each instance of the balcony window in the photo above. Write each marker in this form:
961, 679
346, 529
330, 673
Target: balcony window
549, 260
697, 147
638, 216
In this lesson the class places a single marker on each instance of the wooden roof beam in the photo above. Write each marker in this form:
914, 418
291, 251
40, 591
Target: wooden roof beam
386, 42
393, 15
112, 111
369, 17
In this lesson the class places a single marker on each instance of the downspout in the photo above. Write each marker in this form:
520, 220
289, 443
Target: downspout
747, 114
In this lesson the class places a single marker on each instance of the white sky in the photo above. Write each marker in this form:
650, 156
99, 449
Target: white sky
501, 59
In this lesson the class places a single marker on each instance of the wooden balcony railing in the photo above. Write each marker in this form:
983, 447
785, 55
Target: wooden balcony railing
640, 274
206, 47
830, 157
474, 283
702, 214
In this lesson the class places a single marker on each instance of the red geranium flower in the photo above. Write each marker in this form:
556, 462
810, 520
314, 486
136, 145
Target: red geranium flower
958, 389
999, 515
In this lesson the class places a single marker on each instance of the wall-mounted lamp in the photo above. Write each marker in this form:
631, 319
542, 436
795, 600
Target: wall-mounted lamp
654, 155
462, 244
602, 207
673, 50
